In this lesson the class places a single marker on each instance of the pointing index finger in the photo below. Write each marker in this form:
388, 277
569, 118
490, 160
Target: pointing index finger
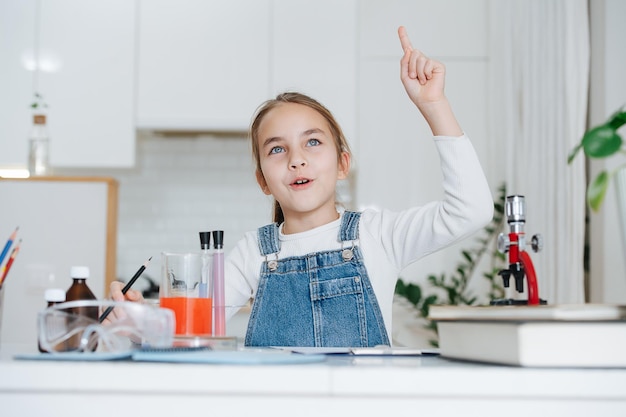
404, 39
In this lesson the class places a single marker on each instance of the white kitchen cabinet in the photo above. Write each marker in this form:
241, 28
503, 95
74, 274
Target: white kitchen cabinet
91, 96
444, 28
86, 53
209, 65
203, 65
315, 52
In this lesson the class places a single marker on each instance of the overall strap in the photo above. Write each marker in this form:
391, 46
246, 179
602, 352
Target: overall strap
349, 226
268, 239
268, 234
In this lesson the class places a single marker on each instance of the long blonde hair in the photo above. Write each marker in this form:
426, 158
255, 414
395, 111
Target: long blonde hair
341, 144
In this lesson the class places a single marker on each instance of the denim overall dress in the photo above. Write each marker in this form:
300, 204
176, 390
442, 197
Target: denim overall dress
320, 299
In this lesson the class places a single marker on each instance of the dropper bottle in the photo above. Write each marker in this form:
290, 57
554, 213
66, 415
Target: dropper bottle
80, 291
205, 281
218, 283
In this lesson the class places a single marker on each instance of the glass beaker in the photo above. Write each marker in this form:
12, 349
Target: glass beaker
186, 290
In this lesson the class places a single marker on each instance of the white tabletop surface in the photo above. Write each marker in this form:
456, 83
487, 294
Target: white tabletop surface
354, 384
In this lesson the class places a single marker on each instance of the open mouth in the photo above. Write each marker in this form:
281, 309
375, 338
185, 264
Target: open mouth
300, 182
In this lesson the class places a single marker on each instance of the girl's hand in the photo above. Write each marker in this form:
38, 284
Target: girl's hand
131, 295
423, 78
116, 295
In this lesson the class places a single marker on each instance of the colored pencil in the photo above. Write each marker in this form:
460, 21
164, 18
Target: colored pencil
8, 245
126, 288
7, 267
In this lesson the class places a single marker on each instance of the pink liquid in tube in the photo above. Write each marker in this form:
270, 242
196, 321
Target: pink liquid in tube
219, 301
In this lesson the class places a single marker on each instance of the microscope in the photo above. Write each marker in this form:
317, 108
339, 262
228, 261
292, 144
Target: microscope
520, 264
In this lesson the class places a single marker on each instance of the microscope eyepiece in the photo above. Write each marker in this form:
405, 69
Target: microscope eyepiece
515, 209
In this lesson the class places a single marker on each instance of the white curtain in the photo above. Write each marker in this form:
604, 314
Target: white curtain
539, 81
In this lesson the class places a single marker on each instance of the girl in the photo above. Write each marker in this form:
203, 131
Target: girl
321, 276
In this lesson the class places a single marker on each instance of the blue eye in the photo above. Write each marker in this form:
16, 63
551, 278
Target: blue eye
276, 149
313, 142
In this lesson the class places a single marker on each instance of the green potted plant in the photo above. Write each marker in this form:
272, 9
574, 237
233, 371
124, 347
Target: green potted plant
602, 141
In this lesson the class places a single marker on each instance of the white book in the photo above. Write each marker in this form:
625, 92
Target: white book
538, 336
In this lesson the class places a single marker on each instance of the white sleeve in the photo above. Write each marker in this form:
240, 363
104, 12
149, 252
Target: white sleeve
241, 272
467, 206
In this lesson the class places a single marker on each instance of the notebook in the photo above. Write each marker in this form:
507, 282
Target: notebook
238, 357
361, 351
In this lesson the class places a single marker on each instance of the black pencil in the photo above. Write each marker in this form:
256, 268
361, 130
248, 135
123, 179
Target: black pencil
126, 288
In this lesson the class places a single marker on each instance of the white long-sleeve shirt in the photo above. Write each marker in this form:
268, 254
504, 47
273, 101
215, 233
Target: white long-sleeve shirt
389, 240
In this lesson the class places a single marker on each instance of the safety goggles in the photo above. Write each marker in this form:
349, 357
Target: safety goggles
64, 327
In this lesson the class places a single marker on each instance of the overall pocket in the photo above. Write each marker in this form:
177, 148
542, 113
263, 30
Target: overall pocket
339, 313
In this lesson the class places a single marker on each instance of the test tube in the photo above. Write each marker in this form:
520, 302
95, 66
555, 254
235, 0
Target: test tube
204, 289
219, 301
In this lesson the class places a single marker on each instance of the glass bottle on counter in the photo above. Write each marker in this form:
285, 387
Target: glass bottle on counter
80, 291
39, 147
53, 296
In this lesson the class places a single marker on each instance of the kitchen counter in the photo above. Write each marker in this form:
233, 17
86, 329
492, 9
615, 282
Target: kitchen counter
341, 385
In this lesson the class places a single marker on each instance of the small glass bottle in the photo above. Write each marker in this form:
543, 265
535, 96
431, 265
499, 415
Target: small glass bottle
53, 296
80, 291
39, 147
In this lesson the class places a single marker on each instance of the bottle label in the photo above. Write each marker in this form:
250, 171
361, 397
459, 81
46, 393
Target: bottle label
39, 119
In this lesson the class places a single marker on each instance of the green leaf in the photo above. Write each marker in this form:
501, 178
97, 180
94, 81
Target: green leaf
452, 295
467, 256
573, 153
414, 293
601, 141
400, 287
618, 119
430, 300
597, 190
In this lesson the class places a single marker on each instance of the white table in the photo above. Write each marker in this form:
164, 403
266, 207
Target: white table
342, 385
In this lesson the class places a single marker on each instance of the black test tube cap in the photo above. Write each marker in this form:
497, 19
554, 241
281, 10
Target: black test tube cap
205, 240
218, 239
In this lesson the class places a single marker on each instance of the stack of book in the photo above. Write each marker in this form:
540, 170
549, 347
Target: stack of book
581, 335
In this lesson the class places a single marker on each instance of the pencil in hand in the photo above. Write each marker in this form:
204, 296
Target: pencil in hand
126, 288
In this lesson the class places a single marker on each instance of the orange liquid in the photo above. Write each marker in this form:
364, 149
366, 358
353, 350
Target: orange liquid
193, 315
